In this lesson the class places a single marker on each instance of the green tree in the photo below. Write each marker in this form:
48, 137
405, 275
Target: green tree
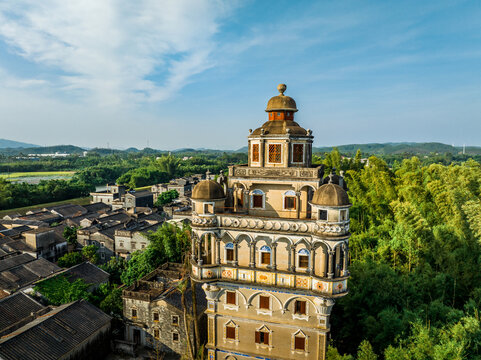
365, 351
166, 197
89, 253
70, 234
70, 259
59, 290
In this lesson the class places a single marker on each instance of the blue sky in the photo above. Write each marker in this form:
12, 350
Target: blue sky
175, 74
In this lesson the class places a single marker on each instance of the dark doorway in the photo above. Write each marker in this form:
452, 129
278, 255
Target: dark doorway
137, 336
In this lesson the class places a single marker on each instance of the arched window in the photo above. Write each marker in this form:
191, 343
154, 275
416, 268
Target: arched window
303, 258
229, 252
257, 199
290, 200
265, 254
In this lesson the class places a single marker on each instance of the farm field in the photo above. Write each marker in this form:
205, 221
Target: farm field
34, 177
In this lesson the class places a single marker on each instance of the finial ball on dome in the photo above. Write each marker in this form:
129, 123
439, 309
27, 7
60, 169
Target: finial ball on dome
281, 88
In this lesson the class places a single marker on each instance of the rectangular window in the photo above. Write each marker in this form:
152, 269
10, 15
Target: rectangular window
175, 320
156, 333
102, 244
121, 245
300, 307
142, 245
175, 337
265, 258
133, 245
300, 343
289, 203
323, 215
257, 201
255, 152
229, 254
343, 215
230, 332
156, 316
303, 261
231, 298
264, 302
102, 255
298, 153
134, 313
275, 153
262, 337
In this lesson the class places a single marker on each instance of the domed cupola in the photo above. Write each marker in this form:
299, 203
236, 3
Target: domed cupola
208, 198
208, 190
330, 203
281, 102
331, 195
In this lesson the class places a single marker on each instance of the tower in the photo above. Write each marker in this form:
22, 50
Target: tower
272, 250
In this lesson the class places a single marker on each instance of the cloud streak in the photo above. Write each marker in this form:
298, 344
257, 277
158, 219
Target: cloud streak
115, 51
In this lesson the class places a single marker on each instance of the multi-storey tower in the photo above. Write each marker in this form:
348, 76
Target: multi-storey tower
271, 245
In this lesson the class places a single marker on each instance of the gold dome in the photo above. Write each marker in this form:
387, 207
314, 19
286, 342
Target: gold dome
330, 195
281, 101
208, 190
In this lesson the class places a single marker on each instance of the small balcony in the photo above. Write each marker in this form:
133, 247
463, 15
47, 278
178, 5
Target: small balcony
336, 287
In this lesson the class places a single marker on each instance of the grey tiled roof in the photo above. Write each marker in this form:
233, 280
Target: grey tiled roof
16, 307
87, 271
16, 260
55, 334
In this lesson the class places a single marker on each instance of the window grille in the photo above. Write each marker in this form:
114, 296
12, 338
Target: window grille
274, 153
255, 152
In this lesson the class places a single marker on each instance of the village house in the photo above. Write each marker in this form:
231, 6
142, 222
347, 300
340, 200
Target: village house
153, 311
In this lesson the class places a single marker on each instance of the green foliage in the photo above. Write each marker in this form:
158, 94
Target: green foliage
89, 253
70, 259
59, 290
14, 195
108, 297
166, 197
70, 234
115, 266
365, 351
167, 243
415, 257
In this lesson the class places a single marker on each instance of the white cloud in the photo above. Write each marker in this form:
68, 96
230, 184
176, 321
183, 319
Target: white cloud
115, 51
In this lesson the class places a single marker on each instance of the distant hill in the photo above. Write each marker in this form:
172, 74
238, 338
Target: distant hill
400, 148
69, 149
4, 143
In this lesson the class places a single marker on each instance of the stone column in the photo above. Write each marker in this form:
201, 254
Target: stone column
236, 253
235, 198
298, 204
293, 259
274, 256
262, 152
330, 272
345, 271
199, 252
217, 261
252, 262
312, 262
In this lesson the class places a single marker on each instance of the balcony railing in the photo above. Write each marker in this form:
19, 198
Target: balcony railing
328, 287
298, 226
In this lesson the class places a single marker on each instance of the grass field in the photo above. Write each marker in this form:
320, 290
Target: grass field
16, 175
23, 210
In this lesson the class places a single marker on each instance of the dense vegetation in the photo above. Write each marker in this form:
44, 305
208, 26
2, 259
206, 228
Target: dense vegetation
415, 287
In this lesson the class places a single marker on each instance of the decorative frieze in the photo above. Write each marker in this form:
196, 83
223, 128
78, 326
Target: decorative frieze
298, 173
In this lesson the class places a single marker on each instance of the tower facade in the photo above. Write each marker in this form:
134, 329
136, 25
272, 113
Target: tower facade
270, 245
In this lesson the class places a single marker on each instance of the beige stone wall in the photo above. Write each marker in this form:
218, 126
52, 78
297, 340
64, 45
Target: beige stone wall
283, 325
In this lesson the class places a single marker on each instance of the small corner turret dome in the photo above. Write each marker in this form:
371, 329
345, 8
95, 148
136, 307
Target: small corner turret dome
208, 190
281, 101
330, 195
